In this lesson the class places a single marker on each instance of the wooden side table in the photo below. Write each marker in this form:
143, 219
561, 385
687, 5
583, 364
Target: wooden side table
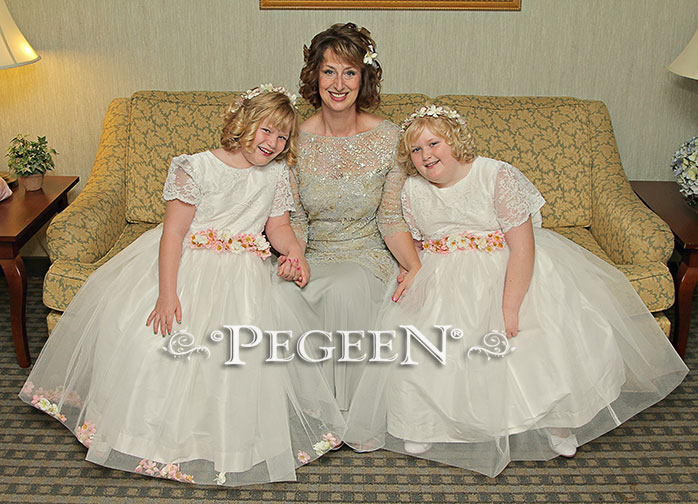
664, 199
22, 215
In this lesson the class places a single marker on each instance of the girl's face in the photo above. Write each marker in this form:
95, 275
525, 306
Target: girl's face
339, 83
434, 160
268, 143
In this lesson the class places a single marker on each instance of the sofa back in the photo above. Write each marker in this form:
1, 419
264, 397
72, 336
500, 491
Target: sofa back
547, 138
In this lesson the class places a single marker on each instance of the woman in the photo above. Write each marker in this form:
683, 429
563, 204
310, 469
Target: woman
348, 187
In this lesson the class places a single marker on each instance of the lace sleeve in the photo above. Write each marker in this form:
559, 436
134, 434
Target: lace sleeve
409, 216
299, 217
183, 182
515, 198
283, 199
389, 217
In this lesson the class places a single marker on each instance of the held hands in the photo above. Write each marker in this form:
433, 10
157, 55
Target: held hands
166, 308
294, 268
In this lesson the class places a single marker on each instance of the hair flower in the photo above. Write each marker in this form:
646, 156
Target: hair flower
370, 56
435, 112
262, 88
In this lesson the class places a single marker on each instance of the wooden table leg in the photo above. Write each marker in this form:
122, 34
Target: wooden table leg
685, 283
17, 281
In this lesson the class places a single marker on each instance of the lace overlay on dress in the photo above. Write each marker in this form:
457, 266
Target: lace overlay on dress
181, 182
283, 199
409, 216
347, 193
515, 198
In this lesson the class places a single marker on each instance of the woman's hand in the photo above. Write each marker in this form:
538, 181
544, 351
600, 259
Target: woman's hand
166, 308
404, 280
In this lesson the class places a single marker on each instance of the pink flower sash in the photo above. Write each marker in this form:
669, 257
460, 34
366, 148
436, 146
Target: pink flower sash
486, 242
225, 241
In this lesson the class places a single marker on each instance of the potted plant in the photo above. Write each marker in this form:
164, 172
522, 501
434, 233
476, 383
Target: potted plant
30, 160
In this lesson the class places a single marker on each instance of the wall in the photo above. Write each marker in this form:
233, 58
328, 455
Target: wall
95, 50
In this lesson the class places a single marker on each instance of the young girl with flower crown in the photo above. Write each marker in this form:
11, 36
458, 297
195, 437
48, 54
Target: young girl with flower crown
545, 346
171, 408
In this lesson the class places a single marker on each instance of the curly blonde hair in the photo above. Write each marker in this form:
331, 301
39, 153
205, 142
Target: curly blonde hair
455, 134
240, 123
350, 43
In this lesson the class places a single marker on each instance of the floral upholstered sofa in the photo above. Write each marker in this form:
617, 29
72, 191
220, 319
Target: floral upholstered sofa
565, 146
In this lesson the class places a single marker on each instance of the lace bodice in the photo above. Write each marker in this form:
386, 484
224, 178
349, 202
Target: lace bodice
348, 197
492, 196
228, 198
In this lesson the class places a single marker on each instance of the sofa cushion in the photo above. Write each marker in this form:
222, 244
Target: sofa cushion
547, 138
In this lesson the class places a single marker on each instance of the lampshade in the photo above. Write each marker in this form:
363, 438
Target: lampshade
686, 65
14, 49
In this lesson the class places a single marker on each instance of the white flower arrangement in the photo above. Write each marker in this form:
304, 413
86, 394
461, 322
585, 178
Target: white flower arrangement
433, 111
685, 168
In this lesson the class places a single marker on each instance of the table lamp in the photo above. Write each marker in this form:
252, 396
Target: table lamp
685, 162
14, 49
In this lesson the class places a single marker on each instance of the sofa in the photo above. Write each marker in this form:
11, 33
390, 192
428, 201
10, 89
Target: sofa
565, 146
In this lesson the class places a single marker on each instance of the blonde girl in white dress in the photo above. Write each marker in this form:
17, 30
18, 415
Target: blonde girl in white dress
546, 346
136, 367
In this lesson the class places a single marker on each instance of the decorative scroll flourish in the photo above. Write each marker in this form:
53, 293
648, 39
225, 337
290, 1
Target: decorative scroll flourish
495, 344
182, 343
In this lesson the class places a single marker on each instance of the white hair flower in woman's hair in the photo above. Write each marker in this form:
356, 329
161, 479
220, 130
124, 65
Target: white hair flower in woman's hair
370, 56
262, 88
433, 111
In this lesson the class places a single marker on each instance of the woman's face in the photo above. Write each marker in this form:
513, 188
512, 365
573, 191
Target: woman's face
339, 83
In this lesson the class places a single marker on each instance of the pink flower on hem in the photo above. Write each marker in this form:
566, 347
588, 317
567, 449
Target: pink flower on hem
85, 433
303, 457
332, 439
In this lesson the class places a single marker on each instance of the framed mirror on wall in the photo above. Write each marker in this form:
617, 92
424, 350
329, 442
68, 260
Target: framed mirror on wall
509, 5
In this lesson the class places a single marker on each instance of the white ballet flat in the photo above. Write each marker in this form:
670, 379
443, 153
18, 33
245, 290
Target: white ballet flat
565, 446
414, 448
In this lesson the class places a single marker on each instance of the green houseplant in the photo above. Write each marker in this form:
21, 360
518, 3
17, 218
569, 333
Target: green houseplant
30, 160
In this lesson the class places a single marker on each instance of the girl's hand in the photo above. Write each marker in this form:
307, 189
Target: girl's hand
511, 322
166, 308
294, 268
404, 279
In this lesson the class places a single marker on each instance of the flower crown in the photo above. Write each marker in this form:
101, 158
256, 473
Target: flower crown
263, 88
370, 56
433, 111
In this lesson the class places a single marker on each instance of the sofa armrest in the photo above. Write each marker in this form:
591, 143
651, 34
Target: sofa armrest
627, 230
88, 228
623, 226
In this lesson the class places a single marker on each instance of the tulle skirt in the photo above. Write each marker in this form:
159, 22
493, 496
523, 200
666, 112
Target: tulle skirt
587, 357
340, 296
191, 418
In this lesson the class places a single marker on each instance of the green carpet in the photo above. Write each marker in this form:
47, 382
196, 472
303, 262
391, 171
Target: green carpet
651, 458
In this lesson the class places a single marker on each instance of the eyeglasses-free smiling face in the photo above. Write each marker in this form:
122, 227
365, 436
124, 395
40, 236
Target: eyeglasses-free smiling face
339, 82
267, 144
434, 160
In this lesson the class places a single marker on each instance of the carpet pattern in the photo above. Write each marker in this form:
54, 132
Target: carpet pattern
651, 458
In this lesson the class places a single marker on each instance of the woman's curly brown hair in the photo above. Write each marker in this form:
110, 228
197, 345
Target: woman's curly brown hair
240, 124
350, 43
455, 134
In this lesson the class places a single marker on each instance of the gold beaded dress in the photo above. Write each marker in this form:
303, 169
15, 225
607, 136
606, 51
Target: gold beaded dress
347, 192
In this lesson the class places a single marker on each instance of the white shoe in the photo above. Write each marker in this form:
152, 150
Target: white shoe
565, 446
416, 448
